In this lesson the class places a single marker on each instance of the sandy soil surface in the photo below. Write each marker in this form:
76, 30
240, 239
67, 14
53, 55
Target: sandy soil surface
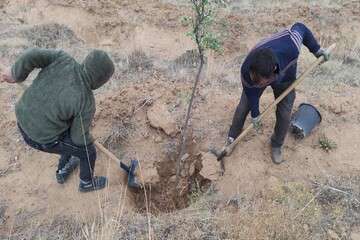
151, 52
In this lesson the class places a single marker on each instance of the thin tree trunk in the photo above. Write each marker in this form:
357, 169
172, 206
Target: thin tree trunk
188, 114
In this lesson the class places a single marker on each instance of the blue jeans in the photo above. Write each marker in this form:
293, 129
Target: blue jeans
66, 148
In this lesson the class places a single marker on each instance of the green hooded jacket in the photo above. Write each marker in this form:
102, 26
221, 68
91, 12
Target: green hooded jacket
60, 97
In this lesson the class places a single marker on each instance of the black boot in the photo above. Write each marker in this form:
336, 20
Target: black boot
63, 173
98, 182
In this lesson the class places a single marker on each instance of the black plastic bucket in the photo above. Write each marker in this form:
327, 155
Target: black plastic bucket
304, 120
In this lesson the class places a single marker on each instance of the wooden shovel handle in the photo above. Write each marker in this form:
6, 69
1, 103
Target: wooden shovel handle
320, 60
107, 152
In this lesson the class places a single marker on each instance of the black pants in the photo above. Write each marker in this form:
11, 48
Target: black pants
283, 116
66, 148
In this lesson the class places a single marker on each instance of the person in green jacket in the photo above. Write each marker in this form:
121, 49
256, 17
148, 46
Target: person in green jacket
54, 114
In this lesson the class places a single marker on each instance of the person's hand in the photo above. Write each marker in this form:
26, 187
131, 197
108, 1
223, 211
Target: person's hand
323, 52
6, 76
257, 124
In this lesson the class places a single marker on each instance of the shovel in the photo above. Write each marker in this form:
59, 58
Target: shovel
130, 170
228, 149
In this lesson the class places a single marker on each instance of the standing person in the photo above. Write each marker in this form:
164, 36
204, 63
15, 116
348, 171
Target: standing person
54, 114
272, 62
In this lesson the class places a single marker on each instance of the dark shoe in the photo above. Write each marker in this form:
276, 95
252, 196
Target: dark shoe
97, 183
63, 174
276, 155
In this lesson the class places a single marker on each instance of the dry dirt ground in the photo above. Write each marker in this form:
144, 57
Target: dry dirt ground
313, 195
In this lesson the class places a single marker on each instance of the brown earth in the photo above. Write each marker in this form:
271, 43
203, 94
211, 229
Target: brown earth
154, 77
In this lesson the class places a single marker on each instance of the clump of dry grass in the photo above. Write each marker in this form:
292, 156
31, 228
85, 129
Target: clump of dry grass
287, 211
296, 211
119, 134
190, 59
284, 211
339, 199
51, 229
50, 35
139, 61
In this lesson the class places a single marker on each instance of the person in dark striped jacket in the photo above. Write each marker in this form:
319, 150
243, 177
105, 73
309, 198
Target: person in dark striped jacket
273, 62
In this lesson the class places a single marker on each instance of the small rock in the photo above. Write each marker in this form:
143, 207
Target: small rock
158, 139
159, 117
185, 156
146, 135
138, 118
172, 178
211, 166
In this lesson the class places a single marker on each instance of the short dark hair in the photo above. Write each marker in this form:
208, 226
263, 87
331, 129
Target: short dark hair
263, 62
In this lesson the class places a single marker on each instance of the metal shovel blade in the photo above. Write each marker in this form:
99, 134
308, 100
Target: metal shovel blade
220, 157
219, 154
131, 172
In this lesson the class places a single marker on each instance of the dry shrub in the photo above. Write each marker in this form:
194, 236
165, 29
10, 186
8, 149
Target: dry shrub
139, 61
285, 211
50, 35
57, 228
340, 204
281, 214
190, 59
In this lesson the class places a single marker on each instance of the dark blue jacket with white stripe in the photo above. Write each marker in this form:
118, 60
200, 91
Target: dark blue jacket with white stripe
286, 46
